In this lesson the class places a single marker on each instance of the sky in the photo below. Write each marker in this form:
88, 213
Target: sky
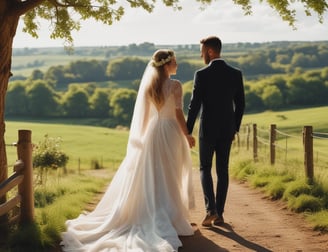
164, 26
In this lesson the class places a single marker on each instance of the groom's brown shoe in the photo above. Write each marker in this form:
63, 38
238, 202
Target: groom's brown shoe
207, 222
218, 221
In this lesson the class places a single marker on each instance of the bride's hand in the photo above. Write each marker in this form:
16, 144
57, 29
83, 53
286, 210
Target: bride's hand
191, 140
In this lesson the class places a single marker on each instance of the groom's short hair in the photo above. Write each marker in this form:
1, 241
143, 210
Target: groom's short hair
212, 42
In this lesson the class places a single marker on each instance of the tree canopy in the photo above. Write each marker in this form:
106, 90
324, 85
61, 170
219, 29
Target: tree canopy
65, 15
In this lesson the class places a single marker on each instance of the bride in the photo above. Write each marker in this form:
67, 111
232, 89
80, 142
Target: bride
145, 208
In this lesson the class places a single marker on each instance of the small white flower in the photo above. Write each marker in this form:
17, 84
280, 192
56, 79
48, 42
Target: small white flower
161, 62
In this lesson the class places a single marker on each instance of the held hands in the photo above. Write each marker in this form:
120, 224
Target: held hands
191, 140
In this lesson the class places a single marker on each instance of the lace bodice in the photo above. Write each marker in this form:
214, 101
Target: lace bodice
173, 98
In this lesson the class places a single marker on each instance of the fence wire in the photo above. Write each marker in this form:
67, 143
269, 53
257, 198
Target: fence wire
288, 148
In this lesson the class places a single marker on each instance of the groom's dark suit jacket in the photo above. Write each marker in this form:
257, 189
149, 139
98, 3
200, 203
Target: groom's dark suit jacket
219, 94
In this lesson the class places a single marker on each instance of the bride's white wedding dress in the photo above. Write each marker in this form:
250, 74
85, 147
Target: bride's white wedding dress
145, 208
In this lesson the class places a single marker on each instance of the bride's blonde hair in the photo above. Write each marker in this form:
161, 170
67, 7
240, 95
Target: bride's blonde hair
159, 59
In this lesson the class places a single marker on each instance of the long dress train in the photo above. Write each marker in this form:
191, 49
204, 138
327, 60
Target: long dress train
145, 207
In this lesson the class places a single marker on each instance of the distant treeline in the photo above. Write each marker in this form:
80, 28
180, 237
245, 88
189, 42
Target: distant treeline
277, 75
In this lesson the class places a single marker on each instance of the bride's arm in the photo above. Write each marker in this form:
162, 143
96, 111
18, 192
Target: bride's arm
182, 122
179, 114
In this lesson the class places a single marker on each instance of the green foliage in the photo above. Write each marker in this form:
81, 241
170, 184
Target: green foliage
99, 104
43, 198
88, 70
68, 198
122, 102
245, 169
47, 154
26, 238
274, 79
41, 99
16, 99
76, 103
305, 203
276, 189
320, 220
297, 188
65, 18
128, 68
260, 181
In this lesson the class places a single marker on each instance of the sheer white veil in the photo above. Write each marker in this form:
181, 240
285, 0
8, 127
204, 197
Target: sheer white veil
144, 110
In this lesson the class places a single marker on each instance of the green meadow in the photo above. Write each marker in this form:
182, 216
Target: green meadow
25, 64
292, 121
289, 134
83, 144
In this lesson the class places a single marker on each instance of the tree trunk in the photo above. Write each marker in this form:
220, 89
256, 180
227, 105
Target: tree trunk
8, 26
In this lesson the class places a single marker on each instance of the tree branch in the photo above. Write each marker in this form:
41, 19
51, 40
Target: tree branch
21, 7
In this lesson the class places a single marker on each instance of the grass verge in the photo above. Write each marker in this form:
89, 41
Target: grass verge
281, 182
59, 200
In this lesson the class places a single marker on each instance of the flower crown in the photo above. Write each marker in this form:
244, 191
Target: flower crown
161, 62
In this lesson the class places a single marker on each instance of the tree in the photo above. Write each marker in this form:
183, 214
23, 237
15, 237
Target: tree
76, 103
16, 99
59, 77
88, 70
64, 17
41, 99
37, 75
126, 68
122, 102
253, 102
99, 104
272, 97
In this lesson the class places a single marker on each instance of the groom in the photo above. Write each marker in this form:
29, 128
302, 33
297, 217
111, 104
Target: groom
218, 93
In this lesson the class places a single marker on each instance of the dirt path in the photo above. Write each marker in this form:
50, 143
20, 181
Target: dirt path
253, 223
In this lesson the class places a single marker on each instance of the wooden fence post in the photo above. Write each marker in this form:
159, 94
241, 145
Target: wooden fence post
272, 143
255, 142
238, 140
247, 136
308, 151
24, 153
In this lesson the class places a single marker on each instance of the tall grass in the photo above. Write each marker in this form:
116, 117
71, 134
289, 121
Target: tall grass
62, 198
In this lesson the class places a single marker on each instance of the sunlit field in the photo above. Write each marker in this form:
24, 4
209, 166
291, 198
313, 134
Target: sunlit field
83, 144
289, 134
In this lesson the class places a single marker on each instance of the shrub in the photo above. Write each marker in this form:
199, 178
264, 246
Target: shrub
276, 188
297, 188
304, 203
47, 154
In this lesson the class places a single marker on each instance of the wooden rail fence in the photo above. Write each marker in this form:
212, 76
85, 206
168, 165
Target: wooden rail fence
251, 137
23, 178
